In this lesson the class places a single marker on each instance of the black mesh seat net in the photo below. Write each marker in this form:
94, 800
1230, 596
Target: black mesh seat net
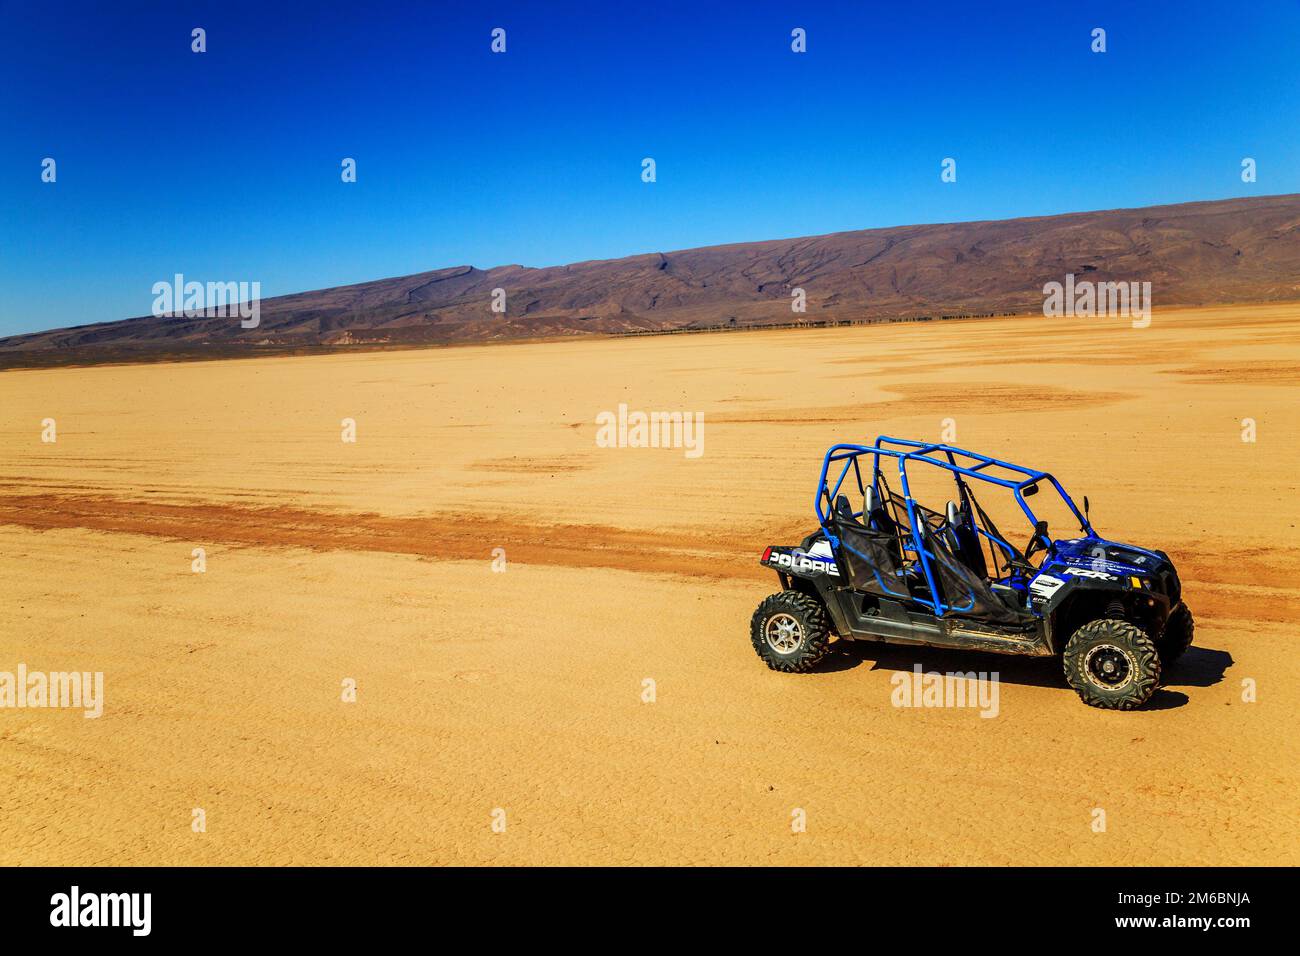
967, 593
1000, 558
872, 559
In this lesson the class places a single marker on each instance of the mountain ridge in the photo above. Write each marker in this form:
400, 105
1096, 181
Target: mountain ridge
1198, 253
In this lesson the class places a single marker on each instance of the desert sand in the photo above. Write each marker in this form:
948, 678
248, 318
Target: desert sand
522, 690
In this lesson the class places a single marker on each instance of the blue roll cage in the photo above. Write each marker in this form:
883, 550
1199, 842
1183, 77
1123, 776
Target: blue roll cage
906, 450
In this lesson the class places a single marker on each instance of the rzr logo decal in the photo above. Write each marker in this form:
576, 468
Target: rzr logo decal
1089, 573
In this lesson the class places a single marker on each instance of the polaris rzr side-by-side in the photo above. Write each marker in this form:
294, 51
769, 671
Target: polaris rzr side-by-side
883, 567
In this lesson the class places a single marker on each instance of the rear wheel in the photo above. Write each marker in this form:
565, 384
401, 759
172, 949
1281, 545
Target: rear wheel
1112, 664
1176, 638
789, 631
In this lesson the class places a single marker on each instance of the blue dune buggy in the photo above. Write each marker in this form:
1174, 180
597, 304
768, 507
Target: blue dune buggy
883, 567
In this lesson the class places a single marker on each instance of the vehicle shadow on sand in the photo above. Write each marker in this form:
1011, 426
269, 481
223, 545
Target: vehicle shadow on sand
1199, 667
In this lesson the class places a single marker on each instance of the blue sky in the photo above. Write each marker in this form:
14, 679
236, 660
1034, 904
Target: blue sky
226, 165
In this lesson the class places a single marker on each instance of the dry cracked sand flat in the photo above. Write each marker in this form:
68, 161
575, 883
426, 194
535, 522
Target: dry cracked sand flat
522, 690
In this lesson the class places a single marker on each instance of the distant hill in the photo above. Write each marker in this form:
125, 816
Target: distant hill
1234, 250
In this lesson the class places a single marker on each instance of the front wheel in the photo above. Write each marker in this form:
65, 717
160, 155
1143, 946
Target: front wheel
1112, 664
789, 631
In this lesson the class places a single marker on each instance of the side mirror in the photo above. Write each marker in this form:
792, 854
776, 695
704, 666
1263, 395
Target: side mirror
1085, 506
1029, 491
